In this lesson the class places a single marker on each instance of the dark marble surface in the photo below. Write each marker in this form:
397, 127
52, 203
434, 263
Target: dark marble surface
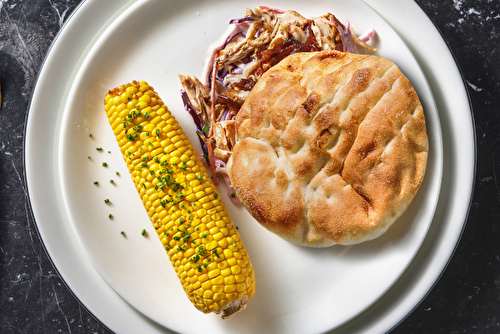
34, 299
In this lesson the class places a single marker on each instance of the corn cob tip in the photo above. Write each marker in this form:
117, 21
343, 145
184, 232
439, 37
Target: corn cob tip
233, 307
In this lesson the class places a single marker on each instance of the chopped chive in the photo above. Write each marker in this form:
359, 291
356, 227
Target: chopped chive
215, 253
105, 164
111, 181
99, 148
122, 232
90, 135
96, 182
110, 216
143, 232
117, 173
106, 201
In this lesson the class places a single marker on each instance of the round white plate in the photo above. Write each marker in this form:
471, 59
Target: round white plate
296, 287
73, 219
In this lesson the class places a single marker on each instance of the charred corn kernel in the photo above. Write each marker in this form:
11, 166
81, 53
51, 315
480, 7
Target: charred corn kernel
182, 203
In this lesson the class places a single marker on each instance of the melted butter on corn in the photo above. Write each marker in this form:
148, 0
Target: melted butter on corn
182, 202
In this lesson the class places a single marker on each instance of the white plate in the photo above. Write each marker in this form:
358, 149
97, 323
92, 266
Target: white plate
81, 206
296, 287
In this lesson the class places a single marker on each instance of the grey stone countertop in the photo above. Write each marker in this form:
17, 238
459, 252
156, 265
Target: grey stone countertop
34, 299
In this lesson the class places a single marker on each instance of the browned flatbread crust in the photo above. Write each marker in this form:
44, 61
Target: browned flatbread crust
331, 148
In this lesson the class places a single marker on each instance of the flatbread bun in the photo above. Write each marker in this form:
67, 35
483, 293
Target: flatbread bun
331, 148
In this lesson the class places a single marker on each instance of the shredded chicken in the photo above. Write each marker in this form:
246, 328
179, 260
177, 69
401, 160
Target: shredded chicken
198, 94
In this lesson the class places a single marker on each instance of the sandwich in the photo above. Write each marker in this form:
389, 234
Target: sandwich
321, 143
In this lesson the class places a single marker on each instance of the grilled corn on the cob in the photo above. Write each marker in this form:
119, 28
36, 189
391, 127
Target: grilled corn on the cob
181, 201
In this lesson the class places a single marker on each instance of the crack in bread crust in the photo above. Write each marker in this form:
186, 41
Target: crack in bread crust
332, 148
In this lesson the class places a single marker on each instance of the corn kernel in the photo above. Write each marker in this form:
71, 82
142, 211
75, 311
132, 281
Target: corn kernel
222, 265
208, 294
229, 288
218, 288
218, 297
214, 273
212, 245
207, 285
231, 296
229, 280
218, 280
